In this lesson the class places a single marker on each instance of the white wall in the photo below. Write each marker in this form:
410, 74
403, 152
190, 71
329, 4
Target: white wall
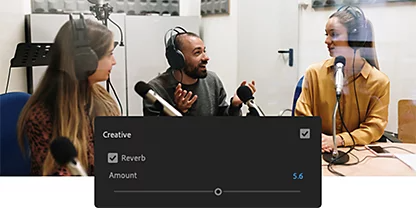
190, 7
239, 49
264, 28
394, 28
12, 18
220, 37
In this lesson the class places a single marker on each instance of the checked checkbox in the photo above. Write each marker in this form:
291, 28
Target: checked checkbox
305, 133
112, 157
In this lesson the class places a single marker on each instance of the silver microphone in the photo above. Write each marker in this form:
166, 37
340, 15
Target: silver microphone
339, 74
100, 10
146, 92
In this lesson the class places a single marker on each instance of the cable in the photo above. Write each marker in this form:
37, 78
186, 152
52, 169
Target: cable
373, 156
341, 117
349, 133
358, 160
119, 28
8, 78
355, 90
351, 148
121, 44
334, 171
343, 123
391, 147
118, 100
331, 169
368, 156
355, 163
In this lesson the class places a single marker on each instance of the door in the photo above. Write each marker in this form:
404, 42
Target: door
264, 28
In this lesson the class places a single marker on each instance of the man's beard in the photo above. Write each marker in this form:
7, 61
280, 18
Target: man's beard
196, 73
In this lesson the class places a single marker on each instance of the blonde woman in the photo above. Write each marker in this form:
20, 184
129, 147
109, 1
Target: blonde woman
69, 98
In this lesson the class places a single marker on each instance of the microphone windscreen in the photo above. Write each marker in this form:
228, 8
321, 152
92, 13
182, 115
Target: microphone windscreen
142, 88
244, 93
340, 59
63, 151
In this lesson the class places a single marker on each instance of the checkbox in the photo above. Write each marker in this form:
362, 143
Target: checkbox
305, 133
112, 157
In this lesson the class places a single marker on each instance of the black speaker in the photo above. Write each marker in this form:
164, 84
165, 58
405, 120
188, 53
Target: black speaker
358, 34
175, 57
85, 59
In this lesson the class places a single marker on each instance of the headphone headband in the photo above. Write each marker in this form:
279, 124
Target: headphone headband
85, 59
173, 36
356, 12
358, 34
79, 31
175, 57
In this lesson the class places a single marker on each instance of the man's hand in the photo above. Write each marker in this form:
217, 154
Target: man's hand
236, 100
183, 99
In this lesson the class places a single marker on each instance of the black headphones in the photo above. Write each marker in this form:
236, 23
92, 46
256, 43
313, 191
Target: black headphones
358, 35
85, 59
175, 57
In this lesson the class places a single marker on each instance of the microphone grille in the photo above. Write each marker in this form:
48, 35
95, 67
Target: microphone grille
244, 93
142, 88
340, 59
63, 151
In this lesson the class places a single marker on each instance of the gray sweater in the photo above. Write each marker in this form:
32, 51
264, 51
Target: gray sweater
210, 90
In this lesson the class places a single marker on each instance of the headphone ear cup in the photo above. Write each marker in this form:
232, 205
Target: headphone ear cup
357, 38
85, 59
352, 38
180, 60
170, 53
85, 62
175, 58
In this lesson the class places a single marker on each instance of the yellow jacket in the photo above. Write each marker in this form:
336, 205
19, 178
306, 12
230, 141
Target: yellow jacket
373, 93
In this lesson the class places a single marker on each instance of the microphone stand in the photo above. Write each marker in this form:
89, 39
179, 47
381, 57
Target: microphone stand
336, 157
102, 13
255, 111
252, 112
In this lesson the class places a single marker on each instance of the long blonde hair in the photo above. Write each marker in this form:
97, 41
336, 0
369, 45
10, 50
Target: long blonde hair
72, 103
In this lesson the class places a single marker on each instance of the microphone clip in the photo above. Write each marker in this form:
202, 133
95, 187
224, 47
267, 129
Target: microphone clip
101, 12
338, 96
